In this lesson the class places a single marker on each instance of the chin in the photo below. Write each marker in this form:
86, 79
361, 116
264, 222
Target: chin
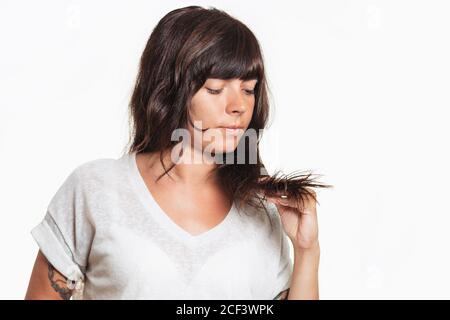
228, 148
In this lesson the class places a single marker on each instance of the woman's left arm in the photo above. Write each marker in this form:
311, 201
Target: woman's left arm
301, 226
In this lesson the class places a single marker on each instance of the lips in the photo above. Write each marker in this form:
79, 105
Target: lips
233, 129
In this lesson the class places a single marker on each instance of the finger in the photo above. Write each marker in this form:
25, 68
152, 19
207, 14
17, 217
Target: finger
284, 201
307, 208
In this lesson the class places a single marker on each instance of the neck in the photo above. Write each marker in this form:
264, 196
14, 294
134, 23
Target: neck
190, 167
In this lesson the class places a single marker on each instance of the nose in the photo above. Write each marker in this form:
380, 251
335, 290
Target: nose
236, 102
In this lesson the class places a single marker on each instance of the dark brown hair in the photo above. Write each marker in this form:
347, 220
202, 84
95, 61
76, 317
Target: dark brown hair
188, 46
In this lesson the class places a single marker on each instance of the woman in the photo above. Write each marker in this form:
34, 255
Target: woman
184, 218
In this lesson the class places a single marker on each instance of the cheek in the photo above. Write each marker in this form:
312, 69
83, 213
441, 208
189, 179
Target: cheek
205, 108
249, 113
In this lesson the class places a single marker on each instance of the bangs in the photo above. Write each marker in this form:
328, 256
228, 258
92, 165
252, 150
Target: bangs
233, 54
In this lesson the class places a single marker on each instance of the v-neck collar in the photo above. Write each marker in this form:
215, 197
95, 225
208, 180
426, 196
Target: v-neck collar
161, 217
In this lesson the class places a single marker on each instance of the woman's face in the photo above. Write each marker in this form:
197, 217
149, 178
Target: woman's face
219, 104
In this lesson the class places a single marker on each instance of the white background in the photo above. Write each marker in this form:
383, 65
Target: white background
361, 95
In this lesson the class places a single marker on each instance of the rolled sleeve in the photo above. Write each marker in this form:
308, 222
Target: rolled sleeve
65, 233
56, 250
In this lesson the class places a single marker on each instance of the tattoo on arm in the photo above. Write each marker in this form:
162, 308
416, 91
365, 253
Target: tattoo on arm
64, 292
282, 295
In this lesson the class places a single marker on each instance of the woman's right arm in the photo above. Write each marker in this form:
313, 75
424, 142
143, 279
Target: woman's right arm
46, 283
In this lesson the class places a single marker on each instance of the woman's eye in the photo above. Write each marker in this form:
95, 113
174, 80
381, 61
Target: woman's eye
218, 91
212, 91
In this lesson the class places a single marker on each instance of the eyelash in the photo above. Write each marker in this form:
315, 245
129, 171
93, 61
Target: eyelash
212, 91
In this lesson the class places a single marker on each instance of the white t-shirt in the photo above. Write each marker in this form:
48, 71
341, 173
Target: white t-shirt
104, 230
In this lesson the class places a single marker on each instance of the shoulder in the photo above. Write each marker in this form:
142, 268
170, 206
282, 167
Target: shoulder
90, 184
92, 175
97, 170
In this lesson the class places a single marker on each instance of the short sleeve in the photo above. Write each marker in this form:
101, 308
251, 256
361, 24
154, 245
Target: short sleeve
65, 234
284, 264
